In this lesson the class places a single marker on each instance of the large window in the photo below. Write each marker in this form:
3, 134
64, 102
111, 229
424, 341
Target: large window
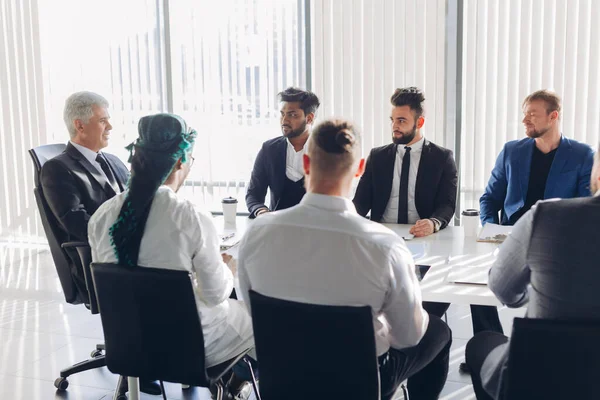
221, 64
218, 67
227, 65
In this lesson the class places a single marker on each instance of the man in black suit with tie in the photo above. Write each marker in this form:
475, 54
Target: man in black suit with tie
76, 182
414, 181
278, 165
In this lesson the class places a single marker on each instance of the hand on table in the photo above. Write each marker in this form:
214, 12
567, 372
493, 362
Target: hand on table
423, 227
231, 262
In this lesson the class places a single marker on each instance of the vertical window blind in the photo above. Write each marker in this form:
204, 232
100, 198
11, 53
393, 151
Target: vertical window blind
363, 50
228, 64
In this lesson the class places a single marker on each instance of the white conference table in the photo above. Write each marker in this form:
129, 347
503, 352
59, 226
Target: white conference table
441, 251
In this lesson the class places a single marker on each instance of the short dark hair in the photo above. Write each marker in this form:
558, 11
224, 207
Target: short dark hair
550, 98
309, 102
333, 146
409, 96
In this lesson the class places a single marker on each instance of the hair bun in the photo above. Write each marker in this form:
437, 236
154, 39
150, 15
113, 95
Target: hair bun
345, 139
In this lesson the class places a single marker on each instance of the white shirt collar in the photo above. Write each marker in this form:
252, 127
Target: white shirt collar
87, 153
330, 203
291, 146
597, 193
415, 147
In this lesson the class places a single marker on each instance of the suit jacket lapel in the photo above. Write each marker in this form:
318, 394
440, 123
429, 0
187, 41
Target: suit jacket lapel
386, 176
524, 155
421, 173
93, 171
560, 159
280, 165
117, 172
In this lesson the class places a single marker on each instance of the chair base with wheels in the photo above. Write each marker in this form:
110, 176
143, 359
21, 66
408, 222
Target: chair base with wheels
98, 360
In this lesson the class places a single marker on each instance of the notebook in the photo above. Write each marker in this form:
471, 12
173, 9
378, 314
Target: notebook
227, 241
494, 233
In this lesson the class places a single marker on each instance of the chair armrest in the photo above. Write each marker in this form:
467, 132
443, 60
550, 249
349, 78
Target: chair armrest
70, 245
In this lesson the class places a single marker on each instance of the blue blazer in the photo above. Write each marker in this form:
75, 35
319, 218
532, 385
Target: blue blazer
506, 190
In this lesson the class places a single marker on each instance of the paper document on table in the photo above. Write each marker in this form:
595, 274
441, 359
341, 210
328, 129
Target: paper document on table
228, 241
494, 233
470, 275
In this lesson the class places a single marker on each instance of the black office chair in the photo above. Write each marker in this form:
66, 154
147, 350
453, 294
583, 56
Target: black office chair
65, 254
551, 359
152, 328
308, 351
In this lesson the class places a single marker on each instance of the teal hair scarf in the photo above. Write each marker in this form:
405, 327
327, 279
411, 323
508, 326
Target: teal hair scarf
163, 140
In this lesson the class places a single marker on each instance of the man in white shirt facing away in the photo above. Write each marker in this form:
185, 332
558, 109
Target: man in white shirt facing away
151, 226
278, 164
322, 252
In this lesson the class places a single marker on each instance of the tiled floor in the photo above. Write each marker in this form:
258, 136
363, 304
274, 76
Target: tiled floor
40, 334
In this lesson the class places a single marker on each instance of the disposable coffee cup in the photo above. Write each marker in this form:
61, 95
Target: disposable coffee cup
470, 222
229, 209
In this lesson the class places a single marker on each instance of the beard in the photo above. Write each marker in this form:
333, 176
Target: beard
292, 133
406, 137
534, 134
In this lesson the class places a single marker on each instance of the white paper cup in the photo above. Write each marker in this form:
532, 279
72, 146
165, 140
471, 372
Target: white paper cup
470, 222
229, 209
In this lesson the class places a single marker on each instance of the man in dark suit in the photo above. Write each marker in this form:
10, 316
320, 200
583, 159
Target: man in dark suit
278, 165
414, 181
76, 182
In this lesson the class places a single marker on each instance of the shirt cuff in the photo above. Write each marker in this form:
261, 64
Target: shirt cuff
436, 224
260, 211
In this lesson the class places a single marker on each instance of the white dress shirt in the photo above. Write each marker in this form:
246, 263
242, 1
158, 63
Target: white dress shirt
91, 155
323, 252
390, 216
294, 168
180, 236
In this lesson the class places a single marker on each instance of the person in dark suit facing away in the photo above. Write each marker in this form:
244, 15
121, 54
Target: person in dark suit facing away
278, 165
77, 182
414, 181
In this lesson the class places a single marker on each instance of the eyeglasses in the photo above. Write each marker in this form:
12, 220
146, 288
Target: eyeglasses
192, 162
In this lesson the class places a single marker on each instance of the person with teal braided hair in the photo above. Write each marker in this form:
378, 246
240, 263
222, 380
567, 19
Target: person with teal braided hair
150, 226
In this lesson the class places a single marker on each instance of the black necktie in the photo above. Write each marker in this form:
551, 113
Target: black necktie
403, 199
108, 172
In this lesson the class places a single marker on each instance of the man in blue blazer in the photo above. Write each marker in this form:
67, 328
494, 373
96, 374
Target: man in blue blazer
543, 165
278, 165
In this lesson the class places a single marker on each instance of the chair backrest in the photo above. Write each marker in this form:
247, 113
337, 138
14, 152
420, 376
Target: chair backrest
55, 235
308, 351
151, 323
550, 359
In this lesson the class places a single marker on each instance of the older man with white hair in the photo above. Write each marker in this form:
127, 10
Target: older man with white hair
78, 181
